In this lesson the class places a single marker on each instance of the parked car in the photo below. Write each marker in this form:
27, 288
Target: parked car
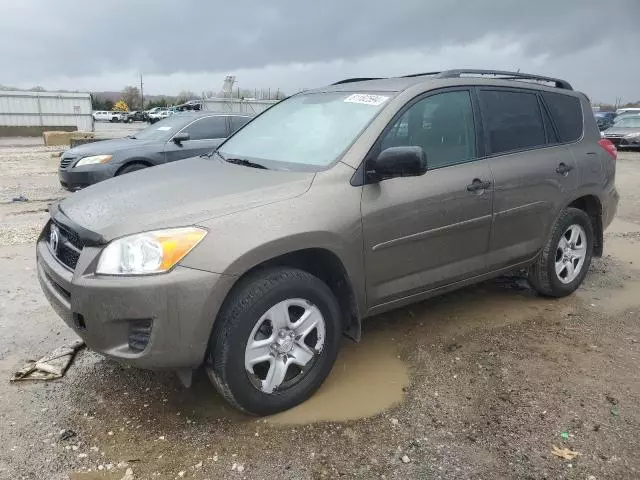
620, 111
159, 115
181, 136
135, 116
151, 111
104, 116
626, 115
331, 206
605, 119
625, 133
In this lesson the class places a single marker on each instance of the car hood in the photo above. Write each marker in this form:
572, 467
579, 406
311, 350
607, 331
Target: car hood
106, 147
620, 131
177, 194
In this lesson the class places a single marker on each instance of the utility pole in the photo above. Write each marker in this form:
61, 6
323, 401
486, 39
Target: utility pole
141, 95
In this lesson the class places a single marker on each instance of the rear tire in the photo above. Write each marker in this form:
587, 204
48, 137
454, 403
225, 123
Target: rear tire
248, 380
566, 256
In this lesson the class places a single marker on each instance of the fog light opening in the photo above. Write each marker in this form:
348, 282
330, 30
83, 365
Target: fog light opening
139, 334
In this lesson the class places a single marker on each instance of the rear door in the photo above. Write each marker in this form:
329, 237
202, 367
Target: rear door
205, 134
237, 122
427, 231
533, 172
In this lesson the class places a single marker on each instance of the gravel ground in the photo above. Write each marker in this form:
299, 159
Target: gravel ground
480, 383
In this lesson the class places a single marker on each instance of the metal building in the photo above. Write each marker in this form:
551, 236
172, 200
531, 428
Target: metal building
237, 105
31, 113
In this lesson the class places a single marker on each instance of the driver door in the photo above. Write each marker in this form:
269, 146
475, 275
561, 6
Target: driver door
432, 230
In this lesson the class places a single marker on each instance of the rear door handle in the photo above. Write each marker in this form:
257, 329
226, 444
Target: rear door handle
563, 168
478, 184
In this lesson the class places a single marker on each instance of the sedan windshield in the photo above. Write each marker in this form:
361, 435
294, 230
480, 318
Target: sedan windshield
629, 122
306, 131
164, 129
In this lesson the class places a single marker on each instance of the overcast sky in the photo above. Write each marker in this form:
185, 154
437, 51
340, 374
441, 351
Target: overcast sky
290, 45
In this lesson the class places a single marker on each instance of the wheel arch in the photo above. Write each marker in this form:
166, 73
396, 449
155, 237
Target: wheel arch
133, 161
328, 267
592, 206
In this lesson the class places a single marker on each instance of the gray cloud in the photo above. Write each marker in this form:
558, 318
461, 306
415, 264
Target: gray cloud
41, 40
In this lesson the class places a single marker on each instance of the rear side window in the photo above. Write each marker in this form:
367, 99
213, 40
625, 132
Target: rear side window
512, 120
237, 122
567, 115
207, 128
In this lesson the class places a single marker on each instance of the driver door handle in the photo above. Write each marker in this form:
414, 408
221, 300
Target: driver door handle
477, 185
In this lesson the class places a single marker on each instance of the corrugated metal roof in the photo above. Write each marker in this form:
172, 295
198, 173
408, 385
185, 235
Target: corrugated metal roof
20, 93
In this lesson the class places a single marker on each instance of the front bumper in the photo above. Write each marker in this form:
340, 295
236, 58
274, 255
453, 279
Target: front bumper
76, 178
105, 311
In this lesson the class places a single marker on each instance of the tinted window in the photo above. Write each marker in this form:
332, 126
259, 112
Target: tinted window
237, 122
567, 115
209, 127
513, 120
552, 136
442, 125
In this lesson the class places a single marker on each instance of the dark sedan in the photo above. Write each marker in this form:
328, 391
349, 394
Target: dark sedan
177, 137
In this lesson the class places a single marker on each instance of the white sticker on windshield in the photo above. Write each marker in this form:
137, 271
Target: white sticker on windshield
164, 129
366, 99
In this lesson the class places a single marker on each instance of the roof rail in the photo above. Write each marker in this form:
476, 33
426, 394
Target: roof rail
351, 80
421, 74
503, 75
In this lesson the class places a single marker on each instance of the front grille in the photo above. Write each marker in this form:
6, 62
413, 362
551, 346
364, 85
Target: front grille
65, 162
68, 246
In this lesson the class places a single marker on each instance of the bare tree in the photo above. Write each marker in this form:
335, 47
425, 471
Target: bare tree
185, 96
131, 96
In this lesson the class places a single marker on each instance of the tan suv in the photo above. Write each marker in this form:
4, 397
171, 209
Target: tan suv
333, 205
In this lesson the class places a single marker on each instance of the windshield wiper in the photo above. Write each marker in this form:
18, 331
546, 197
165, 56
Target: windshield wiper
241, 161
246, 163
133, 137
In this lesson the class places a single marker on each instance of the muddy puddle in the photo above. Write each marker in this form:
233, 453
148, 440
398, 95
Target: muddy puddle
366, 379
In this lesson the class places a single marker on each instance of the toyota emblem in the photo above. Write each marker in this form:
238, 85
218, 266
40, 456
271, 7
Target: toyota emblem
54, 239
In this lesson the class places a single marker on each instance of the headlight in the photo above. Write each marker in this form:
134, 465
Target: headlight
93, 160
632, 135
149, 252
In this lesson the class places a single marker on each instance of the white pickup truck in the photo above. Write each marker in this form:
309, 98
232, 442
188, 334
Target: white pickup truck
104, 116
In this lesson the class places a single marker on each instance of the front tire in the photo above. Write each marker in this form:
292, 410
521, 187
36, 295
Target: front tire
134, 167
565, 259
275, 341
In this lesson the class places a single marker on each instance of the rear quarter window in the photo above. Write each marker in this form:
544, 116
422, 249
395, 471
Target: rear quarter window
566, 112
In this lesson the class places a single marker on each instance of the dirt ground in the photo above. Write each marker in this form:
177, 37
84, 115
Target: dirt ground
480, 383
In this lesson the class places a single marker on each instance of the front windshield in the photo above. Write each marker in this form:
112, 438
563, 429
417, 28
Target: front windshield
306, 130
164, 129
629, 122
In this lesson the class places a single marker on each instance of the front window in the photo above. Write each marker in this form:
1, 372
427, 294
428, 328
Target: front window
307, 131
629, 122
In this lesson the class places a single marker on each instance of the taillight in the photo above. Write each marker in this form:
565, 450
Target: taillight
608, 147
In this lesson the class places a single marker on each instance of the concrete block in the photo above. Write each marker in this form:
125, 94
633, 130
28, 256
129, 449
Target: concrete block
64, 138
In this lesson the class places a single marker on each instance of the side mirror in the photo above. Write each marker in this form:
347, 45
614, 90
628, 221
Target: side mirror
178, 138
398, 162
